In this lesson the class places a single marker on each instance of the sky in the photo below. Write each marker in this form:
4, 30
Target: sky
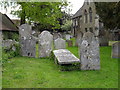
75, 5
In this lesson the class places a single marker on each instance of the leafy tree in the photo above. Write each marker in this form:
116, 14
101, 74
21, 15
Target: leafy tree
67, 25
109, 13
44, 13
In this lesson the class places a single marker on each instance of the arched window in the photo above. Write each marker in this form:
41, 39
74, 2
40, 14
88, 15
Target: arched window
90, 14
86, 18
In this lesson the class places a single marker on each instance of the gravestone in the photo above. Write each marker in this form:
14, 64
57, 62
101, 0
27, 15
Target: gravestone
64, 56
27, 41
56, 35
28, 47
68, 36
89, 52
116, 50
45, 44
25, 31
78, 39
59, 43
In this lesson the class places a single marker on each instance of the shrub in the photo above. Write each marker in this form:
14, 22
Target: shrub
8, 53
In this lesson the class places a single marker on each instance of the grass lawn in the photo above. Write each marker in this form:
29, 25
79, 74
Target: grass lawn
23, 72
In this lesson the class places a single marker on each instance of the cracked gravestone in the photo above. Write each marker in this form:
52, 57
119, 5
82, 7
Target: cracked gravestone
116, 50
45, 44
89, 52
60, 43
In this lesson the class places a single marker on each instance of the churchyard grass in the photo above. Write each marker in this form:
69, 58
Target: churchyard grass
24, 72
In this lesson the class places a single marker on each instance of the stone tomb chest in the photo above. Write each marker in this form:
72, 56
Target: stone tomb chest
64, 56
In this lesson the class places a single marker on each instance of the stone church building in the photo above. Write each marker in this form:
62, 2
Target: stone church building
86, 19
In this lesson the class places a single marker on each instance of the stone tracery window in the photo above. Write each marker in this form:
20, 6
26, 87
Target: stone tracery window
90, 14
85, 17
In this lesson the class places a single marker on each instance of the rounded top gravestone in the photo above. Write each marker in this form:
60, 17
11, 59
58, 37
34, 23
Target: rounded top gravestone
60, 43
89, 52
116, 50
45, 44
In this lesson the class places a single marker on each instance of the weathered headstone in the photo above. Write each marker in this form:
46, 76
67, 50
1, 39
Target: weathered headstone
78, 39
45, 44
89, 52
56, 35
59, 43
25, 31
116, 50
27, 41
64, 56
28, 47
67, 36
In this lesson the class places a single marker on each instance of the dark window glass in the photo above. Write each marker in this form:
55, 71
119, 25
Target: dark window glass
90, 14
86, 18
86, 29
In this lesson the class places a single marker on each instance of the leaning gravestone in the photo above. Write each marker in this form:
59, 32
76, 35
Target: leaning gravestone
60, 43
116, 50
27, 42
45, 44
89, 52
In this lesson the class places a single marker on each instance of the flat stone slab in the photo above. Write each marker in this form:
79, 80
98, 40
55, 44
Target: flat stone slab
64, 56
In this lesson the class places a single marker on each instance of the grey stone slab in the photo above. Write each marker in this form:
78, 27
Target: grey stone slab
60, 43
45, 44
89, 52
116, 50
64, 56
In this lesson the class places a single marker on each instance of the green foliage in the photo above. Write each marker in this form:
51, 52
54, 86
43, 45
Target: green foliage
8, 53
45, 13
67, 25
10, 35
109, 13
